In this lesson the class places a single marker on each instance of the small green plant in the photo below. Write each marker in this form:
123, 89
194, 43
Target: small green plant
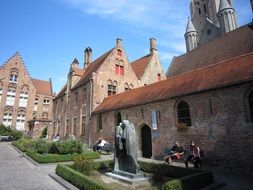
42, 146
44, 133
173, 185
83, 164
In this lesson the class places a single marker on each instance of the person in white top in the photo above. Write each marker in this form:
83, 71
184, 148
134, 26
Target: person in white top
101, 144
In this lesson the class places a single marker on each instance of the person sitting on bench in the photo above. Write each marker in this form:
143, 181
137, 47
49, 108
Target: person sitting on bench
194, 155
177, 152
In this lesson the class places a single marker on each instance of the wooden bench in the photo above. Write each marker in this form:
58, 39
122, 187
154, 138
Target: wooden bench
182, 159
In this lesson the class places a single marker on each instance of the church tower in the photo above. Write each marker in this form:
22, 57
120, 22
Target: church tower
226, 15
191, 36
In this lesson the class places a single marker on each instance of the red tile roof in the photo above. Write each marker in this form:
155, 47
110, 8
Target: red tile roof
233, 71
227, 46
42, 87
140, 65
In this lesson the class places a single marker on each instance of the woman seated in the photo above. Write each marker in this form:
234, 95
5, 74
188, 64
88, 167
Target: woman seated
177, 152
194, 155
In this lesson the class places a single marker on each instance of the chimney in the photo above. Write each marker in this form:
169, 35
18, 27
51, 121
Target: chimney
119, 43
87, 57
152, 46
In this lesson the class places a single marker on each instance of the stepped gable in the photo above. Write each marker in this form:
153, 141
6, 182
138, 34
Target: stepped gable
227, 46
140, 65
222, 74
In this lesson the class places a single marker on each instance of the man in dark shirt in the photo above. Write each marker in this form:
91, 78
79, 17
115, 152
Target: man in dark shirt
177, 152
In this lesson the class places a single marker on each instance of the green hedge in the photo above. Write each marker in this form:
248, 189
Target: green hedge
54, 158
78, 179
173, 171
190, 182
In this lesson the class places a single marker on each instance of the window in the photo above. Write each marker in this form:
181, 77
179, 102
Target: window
44, 115
205, 8
20, 124
46, 101
36, 102
131, 86
10, 97
99, 122
84, 95
23, 99
75, 127
1, 93
13, 78
119, 52
183, 113
67, 129
76, 98
126, 87
7, 119
251, 105
119, 69
199, 11
158, 77
112, 88
83, 125
118, 119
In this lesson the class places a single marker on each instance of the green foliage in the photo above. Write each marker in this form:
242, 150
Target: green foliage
70, 147
78, 179
54, 158
44, 133
173, 185
5, 131
54, 148
83, 165
25, 144
103, 165
42, 146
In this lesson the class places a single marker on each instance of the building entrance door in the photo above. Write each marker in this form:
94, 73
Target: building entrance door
146, 142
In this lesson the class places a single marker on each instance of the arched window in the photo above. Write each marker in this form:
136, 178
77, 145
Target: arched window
118, 119
14, 75
250, 107
112, 87
183, 113
20, 123
126, 87
7, 118
158, 77
23, 96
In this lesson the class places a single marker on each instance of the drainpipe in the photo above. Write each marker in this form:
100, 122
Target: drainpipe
91, 99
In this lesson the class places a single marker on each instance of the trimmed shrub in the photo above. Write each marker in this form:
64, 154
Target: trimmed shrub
83, 165
44, 133
54, 148
173, 185
42, 147
25, 144
69, 147
78, 179
54, 158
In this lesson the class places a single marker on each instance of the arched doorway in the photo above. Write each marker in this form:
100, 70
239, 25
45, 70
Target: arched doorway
146, 142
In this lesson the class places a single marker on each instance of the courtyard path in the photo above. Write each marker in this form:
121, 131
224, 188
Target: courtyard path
16, 172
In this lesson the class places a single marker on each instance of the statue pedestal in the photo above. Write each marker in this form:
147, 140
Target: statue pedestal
129, 178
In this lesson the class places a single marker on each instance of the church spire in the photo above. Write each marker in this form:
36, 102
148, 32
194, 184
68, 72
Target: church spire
190, 36
226, 15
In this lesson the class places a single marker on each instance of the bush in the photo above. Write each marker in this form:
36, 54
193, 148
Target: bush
54, 158
44, 133
83, 165
42, 147
6, 131
173, 185
70, 147
25, 144
78, 179
54, 148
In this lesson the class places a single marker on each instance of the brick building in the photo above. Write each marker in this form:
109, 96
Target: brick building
210, 89
89, 84
25, 103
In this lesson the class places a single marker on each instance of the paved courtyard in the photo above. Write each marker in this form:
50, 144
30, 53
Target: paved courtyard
16, 172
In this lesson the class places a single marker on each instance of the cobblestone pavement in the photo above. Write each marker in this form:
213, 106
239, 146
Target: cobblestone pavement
16, 172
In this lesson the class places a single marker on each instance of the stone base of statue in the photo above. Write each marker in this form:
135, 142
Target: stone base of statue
130, 178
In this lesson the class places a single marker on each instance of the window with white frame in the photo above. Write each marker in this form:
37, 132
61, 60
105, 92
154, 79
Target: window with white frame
13, 78
23, 99
46, 101
7, 119
10, 100
36, 102
20, 123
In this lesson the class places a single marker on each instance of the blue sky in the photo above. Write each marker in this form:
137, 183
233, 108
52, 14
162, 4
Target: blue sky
49, 34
